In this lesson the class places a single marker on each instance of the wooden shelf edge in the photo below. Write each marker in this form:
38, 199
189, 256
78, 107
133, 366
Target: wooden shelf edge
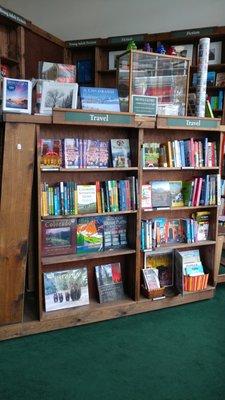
27, 118
178, 208
180, 168
43, 169
181, 246
88, 215
83, 257
82, 317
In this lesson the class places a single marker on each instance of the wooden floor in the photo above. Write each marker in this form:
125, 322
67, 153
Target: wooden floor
94, 313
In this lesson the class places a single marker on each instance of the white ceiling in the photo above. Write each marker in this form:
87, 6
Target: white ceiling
80, 19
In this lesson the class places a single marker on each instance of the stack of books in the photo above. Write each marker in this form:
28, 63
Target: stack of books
189, 268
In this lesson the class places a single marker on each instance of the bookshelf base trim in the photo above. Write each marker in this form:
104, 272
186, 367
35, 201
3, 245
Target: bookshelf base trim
100, 313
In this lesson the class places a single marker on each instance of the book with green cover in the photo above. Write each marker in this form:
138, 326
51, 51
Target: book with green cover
150, 152
187, 189
89, 234
176, 193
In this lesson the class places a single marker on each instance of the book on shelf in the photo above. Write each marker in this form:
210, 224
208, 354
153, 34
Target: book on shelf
208, 110
190, 273
86, 199
161, 231
150, 155
58, 237
182, 153
115, 232
71, 153
57, 95
163, 262
65, 73
220, 79
176, 193
109, 282
161, 194
120, 152
99, 99
16, 95
68, 198
146, 196
89, 235
51, 153
84, 71
151, 279
66, 289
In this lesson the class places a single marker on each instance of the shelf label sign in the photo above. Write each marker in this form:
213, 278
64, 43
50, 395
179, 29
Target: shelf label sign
193, 123
192, 32
99, 118
145, 105
125, 39
82, 43
13, 16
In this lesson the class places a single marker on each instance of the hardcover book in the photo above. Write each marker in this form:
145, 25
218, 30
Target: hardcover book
99, 99
89, 235
120, 151
164, 263
58, 237
109, 282
16, 95
51, 153
57, 95
150, 154
66, 289
65, 73
86, 199
71, 153
176, 193
161, 195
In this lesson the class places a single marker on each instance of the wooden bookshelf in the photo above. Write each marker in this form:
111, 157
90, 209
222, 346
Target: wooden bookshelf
131, 258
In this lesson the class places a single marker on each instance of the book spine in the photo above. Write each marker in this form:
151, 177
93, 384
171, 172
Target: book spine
98, 197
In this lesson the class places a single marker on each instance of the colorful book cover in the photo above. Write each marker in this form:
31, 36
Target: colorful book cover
92, 153
103, 154
164, 263
16, 95
99, 99
71, 153
109, 282
58, 237
66, 289
57, 72
161, 196
176, 193
86, 199
160, 231
51, 153
151, 279
120, 152
150, 153
146, 196
175, 234
220, 79
89, 235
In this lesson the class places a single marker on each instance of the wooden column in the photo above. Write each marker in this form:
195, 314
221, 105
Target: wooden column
17, 177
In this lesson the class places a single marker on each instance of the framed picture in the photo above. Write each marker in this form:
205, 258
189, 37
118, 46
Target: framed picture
84, 71
163, 263
58, 237
184, 50
57, 95
16, 95
113, 58
215, 53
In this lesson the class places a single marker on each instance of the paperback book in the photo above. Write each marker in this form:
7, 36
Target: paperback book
58, 237
120, 151
89, 235
66, 289
86, 199
109, 282
99, 99
51, 153
161, 194
17, 95
163, 262
57, 95
65, 73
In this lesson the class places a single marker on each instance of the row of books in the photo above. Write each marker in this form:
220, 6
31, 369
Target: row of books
85, 153
201, 191
160, 231
213, 79
216, 102
83, 235
69, 288
180, 153
68, 198
189, 270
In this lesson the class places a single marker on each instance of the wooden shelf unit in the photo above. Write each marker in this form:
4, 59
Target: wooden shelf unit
131, 257
97, 50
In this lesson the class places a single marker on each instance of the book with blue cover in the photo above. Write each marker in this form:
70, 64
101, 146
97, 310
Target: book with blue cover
99, 99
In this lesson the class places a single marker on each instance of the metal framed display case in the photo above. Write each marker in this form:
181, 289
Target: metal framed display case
160, 76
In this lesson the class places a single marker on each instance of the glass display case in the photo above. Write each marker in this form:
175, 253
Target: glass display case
144, 78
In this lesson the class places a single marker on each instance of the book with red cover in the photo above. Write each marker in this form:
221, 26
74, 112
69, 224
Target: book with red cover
51, 153
58, 237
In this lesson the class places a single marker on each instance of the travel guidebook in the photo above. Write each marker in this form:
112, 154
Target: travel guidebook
164, 263
51, 153
66, 289
16, 95
99, 99
120, 151
58, 237
109, 282
65, 73
89, 234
